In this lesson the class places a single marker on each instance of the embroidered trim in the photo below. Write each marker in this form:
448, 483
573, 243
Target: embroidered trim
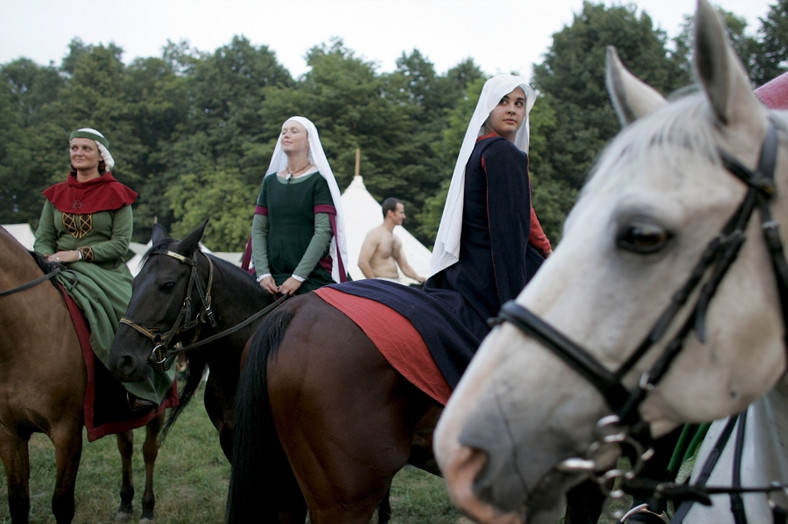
87, 253
77, 225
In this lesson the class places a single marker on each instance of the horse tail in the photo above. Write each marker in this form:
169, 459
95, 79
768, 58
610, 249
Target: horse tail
196, 370
260, 471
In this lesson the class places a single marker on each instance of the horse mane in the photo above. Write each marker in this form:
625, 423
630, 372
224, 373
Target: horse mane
685, 123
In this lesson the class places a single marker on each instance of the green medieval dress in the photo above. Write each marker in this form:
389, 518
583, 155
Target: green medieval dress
95, 218
298, 230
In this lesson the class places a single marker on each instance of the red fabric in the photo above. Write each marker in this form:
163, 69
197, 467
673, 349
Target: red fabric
774, 93
100, 194
332, 215
136, 420
538, 239
396, 339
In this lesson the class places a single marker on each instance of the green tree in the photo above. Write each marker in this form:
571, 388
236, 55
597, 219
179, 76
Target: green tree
744, 45
770, 58
571, 78
29, 155
219, 196
221, 128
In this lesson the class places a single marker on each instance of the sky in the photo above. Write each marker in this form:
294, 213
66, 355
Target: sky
501, 36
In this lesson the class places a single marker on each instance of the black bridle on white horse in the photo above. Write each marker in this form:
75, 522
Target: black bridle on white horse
716, 259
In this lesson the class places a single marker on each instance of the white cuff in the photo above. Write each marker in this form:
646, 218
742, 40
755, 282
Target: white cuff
300, 279
263, 276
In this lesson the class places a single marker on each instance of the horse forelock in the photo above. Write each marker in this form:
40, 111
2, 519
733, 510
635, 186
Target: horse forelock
648, 148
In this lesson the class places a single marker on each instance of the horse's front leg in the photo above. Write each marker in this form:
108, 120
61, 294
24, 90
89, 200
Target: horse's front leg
67, 440
126, 449
150, 450
14, 453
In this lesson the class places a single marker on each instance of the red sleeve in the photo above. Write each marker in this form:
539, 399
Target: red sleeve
537, 237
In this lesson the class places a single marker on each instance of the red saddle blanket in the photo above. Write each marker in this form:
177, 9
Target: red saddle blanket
396, 339
106, 406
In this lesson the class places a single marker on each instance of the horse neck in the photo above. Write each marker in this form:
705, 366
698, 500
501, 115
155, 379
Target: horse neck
16, 262
234, 294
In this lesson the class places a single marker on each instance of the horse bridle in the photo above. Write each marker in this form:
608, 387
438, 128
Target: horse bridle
165, 345
716, 259
187, 319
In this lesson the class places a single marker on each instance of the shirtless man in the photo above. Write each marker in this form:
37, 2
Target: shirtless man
382, 251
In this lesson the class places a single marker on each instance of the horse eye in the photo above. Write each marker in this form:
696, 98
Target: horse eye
642, 238
168, 286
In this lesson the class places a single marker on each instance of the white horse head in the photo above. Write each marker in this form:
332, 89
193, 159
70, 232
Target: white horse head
655, 201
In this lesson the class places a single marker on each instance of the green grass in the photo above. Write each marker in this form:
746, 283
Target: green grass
190, 482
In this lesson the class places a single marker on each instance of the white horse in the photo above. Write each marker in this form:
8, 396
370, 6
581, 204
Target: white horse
650, 309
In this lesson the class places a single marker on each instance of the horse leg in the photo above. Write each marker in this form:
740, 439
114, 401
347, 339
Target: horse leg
345, 417
384, 508
68, 452
16, 460
126, 449
150, 450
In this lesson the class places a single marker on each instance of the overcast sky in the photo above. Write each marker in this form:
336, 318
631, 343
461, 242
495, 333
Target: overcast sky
500, 35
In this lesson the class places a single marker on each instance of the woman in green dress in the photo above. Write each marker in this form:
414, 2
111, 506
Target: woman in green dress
298, 231
86, 224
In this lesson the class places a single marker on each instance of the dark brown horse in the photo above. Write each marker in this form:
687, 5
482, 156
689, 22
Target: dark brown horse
320, 408
42, 387
175, 276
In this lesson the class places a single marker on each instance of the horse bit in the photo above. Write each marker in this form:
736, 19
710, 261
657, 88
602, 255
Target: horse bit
164, 348
625, 427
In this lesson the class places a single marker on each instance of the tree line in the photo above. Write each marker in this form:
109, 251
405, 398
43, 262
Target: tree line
193, 132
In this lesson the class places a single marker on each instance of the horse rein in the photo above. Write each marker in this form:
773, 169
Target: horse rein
162, 351
186, 319
32, 283
716, 259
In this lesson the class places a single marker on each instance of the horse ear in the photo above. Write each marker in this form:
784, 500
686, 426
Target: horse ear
157, 234
632, 98
719, 71
192, 241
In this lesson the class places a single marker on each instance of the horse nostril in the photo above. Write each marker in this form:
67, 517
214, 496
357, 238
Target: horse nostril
125, 367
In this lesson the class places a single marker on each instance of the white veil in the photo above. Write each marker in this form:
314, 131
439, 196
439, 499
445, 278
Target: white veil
318, 159
447, 243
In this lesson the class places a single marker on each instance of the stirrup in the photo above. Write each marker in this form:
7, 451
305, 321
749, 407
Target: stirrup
643, 508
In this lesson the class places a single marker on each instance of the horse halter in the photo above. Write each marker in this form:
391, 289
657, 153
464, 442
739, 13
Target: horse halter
716, 259
186, 319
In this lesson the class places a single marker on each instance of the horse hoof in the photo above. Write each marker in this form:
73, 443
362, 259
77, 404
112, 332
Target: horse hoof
146, 521
122, 516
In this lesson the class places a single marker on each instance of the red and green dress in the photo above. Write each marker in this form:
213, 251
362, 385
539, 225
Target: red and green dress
95, 218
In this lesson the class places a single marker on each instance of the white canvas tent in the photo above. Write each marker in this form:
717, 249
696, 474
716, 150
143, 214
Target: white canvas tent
23, 233
362, 213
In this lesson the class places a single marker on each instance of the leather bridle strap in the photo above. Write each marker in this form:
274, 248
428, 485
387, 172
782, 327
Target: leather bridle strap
186, 318
572, 354
713, 265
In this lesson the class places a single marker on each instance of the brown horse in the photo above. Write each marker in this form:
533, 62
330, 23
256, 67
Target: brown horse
167, 282
42, 386
320, 409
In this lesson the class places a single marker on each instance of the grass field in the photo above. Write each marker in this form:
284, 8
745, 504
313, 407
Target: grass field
191, 480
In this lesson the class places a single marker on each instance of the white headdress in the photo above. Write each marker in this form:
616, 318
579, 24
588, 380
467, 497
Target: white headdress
447, 243
101, 142
317, 158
